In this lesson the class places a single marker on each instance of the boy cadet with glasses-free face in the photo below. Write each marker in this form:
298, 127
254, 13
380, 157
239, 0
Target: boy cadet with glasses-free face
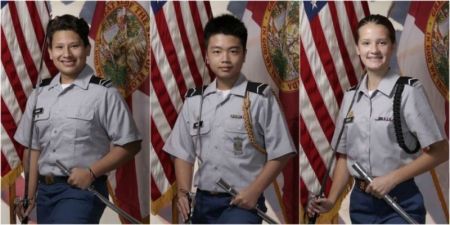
245, 146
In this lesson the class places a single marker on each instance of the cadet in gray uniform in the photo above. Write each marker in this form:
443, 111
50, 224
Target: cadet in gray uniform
236, 130
385, 128
77, 117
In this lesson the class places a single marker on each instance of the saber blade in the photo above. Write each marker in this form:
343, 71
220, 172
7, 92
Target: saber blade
101, 197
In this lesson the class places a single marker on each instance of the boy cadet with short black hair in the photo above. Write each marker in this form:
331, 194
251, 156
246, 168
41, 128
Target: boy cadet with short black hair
235, 128
77, 117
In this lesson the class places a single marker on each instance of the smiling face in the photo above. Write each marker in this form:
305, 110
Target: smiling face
68, 53
225, 56
375, 47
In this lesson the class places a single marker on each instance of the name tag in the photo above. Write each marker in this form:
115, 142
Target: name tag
381, 118
38, 111
198, 124
348, 120
234, 116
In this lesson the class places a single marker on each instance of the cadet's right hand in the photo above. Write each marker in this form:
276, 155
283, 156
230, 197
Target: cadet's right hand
319, 205
183, 204
21, 212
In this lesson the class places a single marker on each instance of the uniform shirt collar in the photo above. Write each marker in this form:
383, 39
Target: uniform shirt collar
385, 86
238, 88
82, 79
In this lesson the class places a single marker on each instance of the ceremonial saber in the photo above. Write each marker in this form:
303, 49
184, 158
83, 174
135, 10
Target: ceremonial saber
387, 198
102, 198
230, 190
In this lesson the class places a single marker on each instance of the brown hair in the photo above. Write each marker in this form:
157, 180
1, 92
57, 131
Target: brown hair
379, 20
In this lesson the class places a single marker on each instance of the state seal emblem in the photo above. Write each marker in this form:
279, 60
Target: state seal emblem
122, 46
436, 46
280, 43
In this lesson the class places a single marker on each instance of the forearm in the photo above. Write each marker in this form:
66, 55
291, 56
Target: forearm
183, 173
33, 172
437, 154
269, 173
115, 157
341, 176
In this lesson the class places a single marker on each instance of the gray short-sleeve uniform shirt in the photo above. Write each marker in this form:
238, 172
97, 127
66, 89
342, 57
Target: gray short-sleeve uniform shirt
76, 125
369, 134
226, 151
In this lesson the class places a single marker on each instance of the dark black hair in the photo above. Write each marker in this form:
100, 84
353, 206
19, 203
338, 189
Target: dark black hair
380, 20
226, 24
68, 22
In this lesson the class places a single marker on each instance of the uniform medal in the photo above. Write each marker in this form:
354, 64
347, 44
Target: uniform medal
237, 146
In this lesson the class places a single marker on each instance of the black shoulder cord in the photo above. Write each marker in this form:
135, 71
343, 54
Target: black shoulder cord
397, 116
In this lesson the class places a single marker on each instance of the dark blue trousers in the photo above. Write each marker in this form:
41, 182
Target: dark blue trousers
216, 209
365, 208
61, 203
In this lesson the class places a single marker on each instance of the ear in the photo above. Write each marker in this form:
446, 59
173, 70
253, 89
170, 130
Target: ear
357, 50
207, 59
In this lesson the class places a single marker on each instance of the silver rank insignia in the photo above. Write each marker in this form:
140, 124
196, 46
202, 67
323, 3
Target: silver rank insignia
237, 144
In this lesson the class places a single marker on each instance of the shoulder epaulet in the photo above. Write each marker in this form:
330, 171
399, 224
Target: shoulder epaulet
45, 82
100, 81
256, 87
407, 80
195, 91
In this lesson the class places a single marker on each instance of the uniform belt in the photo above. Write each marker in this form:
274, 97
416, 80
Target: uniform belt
213, 193
50, 179
361, 184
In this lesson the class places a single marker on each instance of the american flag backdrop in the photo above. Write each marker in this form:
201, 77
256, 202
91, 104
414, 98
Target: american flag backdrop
328, 66
177, 64
22, 38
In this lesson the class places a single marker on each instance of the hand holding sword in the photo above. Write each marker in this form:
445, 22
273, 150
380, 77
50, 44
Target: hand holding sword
101, 197
387, 198
230, 190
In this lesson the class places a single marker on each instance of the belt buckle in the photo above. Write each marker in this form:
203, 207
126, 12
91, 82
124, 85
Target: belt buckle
49, 180
362, 185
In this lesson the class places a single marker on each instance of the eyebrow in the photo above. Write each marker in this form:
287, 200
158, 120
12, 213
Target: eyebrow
232, 47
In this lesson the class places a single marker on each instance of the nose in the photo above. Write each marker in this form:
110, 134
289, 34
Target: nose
374, 48
225, 57
66, 51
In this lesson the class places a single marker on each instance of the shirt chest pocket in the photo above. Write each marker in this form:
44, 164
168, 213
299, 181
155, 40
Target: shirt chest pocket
80, 120
235, 126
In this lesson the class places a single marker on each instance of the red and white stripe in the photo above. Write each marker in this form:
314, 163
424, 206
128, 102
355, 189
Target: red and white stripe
177, 64
328, 66
22, 37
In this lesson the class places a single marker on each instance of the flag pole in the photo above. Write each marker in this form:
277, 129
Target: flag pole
174, 211
11, 201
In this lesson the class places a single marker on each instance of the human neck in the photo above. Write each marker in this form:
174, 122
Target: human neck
226, 84
67, 79
374, 78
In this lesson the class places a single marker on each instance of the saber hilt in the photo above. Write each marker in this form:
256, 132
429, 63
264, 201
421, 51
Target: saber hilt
101, 197
387, 198
191, 198
230, 190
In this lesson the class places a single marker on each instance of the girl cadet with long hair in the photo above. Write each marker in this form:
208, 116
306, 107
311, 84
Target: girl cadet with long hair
388, 124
